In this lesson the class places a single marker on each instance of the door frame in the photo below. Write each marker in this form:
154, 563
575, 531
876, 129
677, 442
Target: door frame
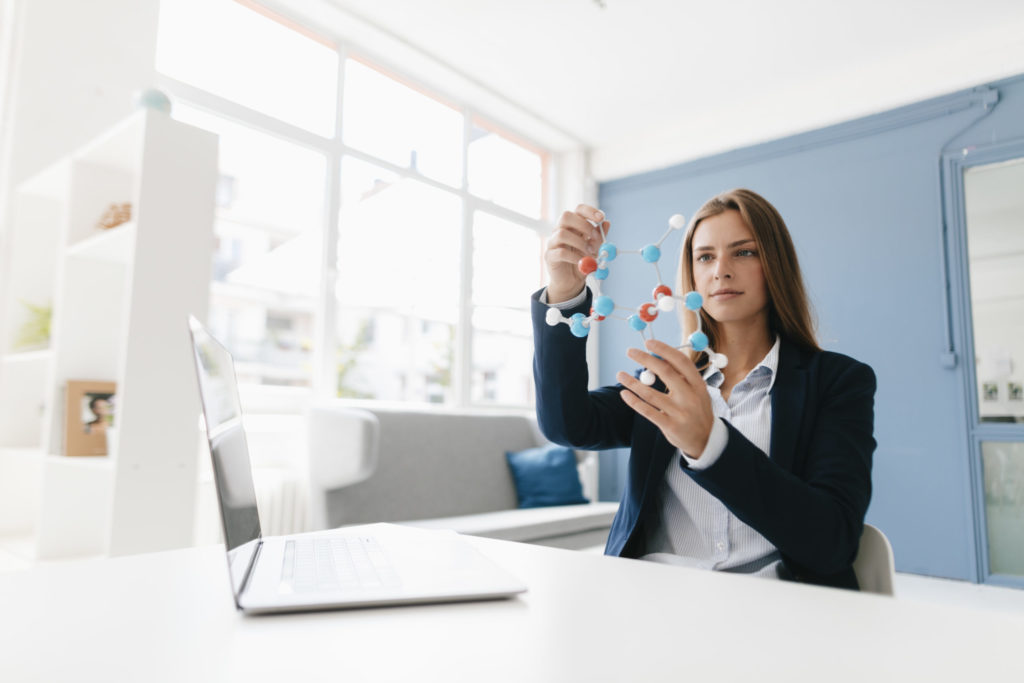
954, 164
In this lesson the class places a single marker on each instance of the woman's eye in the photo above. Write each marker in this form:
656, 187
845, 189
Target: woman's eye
703, 258
746, 252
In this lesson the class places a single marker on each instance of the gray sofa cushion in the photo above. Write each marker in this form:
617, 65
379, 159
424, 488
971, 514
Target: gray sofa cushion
435, 464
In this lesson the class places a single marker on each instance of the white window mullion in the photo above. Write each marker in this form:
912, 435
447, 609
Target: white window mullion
542, 227
463, 375
229, 109
325, 355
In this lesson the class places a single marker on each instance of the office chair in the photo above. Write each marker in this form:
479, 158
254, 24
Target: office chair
874, 565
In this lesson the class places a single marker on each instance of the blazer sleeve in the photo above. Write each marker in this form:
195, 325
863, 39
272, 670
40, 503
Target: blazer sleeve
567, 412
814, 511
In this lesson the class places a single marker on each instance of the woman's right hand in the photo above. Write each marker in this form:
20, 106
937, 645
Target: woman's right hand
575, 236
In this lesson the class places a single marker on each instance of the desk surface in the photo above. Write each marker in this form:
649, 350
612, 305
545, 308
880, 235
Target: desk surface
170, 617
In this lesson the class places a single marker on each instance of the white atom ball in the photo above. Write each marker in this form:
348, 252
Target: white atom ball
666, 304
647, 377
553, 316
720, 360
677, 222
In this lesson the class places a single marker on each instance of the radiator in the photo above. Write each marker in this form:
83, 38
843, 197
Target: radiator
282, 497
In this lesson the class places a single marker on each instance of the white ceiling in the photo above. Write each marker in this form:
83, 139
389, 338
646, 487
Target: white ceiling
649, 83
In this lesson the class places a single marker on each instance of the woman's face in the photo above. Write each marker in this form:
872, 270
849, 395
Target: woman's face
727, 269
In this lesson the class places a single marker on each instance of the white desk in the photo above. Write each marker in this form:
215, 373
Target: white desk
170, 617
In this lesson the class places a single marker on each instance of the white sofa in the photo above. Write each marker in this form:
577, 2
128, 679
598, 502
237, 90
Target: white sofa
439, 470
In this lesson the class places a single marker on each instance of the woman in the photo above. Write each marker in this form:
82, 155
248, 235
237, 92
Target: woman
762, 467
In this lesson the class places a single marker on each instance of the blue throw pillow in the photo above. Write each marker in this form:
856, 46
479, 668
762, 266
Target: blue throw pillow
546, 475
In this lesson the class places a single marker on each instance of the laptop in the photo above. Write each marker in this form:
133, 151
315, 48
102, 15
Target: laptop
373, 565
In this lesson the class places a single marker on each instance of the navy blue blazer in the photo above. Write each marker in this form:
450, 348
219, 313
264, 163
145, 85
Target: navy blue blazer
808, 498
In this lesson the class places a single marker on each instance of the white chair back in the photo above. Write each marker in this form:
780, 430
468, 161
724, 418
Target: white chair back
875, 566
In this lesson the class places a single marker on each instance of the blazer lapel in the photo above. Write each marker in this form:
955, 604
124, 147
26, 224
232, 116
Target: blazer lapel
789, 394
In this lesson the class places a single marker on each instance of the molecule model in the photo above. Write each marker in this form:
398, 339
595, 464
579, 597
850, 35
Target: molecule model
641, 317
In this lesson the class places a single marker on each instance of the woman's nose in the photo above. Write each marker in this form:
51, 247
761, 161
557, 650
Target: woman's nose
722, 270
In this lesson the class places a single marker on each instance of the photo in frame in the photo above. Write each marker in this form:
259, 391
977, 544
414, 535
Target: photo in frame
1014, 391
88, 414
989, 391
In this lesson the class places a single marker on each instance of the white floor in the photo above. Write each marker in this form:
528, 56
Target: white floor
16, 555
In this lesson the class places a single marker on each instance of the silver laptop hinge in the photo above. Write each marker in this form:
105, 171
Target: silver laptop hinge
250, 568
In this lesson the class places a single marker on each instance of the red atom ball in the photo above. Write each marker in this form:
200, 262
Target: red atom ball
647, 312
598, 318
587, 265
662, 290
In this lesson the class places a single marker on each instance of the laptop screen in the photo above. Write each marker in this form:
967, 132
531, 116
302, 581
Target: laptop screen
232, 472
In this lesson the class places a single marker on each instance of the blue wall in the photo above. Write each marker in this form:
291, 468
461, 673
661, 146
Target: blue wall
863, 201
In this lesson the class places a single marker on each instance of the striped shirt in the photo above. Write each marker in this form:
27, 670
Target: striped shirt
695, 528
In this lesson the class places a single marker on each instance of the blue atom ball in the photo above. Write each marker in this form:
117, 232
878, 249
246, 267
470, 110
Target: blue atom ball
651, 253
699, 341
576, 325
604, 305
601, 274
693, 300
608, 250
636, 322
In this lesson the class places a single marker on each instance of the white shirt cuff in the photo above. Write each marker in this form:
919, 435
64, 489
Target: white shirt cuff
571, 303
717, 441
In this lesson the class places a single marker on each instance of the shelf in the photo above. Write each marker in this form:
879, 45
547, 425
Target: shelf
51, 183
114, 315
89, 462
19, 550
120, 146
21, 453
114, 245
30, 356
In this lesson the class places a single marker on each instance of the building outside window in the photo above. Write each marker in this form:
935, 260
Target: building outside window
374, 239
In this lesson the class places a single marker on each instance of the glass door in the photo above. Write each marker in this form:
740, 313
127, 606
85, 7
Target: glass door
993, 213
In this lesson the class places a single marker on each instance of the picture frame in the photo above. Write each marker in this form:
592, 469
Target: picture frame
1014, 391
88, 414
989, 391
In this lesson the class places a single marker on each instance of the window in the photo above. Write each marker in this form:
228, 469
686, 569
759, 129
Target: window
268, 234
398, 275
506, 263
389, 257
400, 125
506, 172
227, 49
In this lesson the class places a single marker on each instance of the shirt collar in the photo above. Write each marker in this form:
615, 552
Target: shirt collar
770, 362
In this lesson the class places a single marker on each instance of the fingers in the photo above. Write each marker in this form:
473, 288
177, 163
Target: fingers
649, 396
569, 245
579, 233
576, 235
666, 370
648, 411
586, 221
590, 213
671, 358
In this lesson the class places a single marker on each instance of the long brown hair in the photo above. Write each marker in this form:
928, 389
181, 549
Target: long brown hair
789, 311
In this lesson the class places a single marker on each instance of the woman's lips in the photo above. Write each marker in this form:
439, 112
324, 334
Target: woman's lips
725, 294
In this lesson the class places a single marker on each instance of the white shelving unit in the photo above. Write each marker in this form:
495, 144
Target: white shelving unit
120, 300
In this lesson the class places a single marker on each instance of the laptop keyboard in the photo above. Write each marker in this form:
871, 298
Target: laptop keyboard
336, 564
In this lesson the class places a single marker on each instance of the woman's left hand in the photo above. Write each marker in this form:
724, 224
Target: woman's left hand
683, 414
